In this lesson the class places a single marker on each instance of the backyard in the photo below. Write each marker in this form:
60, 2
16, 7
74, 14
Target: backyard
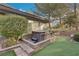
50, 30
62, 47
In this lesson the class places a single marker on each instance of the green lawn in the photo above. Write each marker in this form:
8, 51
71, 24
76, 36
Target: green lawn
8, 53
62, 47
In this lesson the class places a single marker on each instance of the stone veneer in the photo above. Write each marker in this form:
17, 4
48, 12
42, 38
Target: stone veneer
37, 46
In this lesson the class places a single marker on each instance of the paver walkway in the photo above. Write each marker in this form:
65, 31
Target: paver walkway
23, 50
20, 52
26, 48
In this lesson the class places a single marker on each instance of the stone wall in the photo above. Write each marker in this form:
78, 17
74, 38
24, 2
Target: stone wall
37, 46
9, 48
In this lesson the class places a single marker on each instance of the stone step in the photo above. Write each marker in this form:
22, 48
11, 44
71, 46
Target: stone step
0, 46
26, 48
20, 52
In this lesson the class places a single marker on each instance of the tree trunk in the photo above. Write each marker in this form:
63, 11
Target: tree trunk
76, 27
75, 9
39, 24
49, 26
50, 29
70, 27
75, 6
60, 21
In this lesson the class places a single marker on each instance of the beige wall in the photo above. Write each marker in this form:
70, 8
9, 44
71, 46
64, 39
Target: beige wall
37, 27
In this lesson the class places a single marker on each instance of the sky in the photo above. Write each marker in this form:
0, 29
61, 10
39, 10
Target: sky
23, 6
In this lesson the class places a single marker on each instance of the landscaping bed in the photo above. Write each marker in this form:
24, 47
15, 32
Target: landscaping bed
8, 53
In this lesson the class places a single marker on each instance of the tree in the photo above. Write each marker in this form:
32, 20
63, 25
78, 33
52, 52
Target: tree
75, 13
72, 17
60, 11
45, 9
13, 26
55, 10
52, 10
70, 20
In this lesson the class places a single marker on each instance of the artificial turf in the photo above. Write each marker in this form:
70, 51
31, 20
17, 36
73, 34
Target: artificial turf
62, 47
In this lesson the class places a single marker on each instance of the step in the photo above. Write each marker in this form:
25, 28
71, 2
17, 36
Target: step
0, 46
26, 48
20, 52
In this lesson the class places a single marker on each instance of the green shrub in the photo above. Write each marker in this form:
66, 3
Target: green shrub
76, 37
13, 25
9, 42
8, 53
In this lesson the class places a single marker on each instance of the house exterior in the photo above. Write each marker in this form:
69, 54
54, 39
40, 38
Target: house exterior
35, 22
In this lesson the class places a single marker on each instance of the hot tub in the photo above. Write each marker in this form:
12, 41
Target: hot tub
37, 40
